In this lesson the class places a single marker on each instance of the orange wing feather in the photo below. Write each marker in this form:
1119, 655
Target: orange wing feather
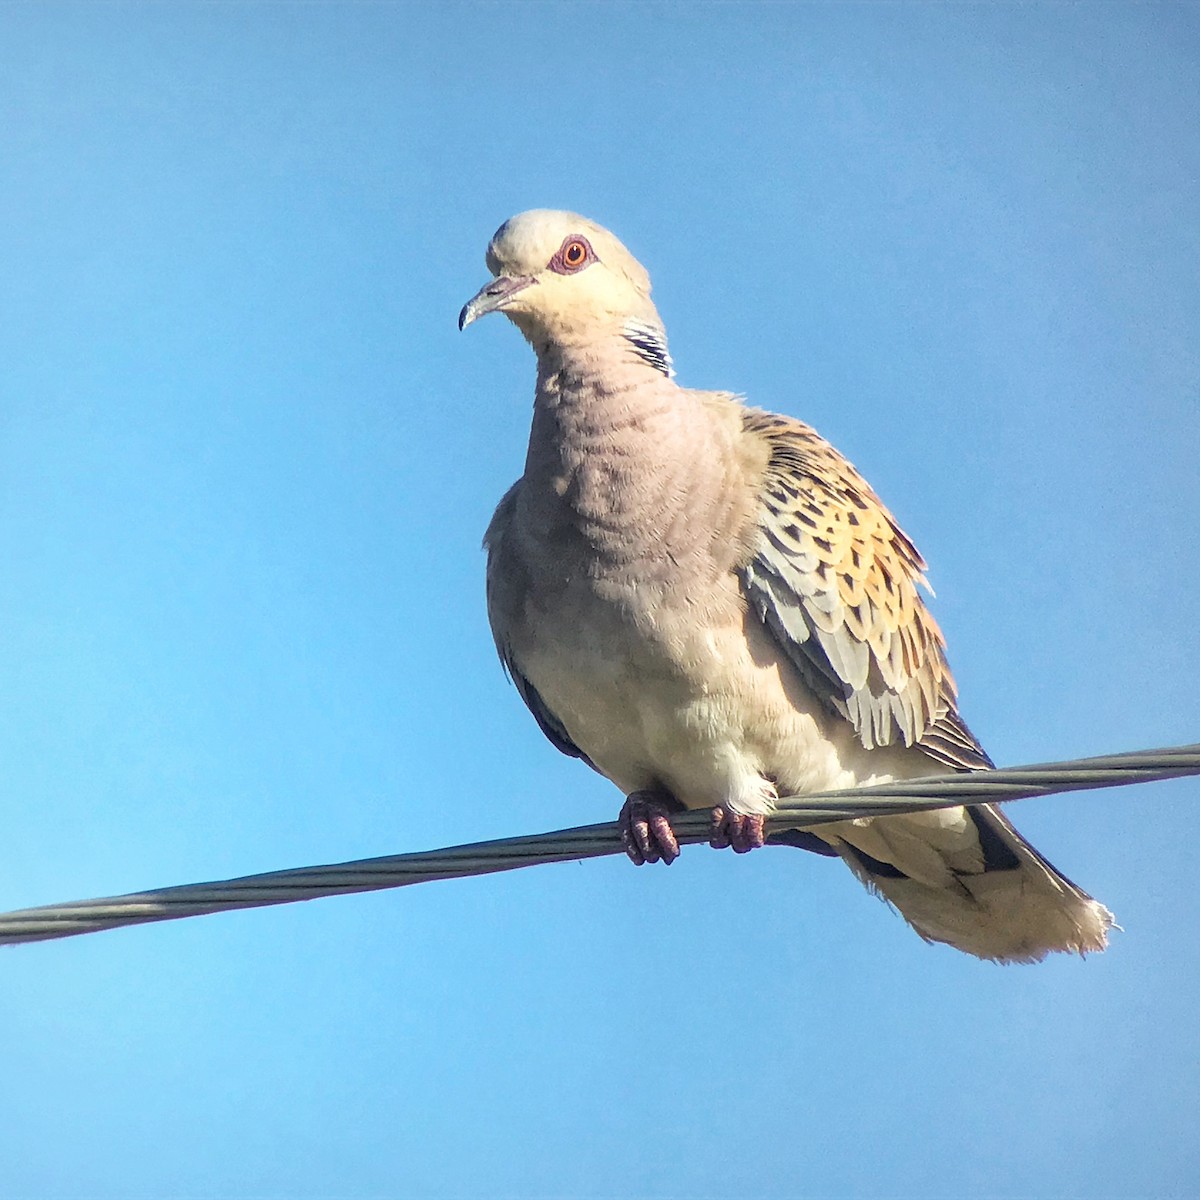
836, 581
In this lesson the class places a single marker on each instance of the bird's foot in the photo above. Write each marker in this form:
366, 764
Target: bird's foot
646, 832
734, 829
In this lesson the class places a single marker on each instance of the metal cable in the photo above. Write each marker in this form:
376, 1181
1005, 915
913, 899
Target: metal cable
588, 841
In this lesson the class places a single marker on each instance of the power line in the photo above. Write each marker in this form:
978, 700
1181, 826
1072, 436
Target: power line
588, 841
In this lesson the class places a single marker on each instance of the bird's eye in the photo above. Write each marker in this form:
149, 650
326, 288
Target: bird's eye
573, 255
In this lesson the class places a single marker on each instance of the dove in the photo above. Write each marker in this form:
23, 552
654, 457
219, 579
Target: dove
708, 604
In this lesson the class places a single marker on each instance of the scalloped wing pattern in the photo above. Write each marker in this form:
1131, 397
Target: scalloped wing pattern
836, 580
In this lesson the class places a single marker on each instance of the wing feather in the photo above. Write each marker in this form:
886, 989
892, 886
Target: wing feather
837, 583
499, 603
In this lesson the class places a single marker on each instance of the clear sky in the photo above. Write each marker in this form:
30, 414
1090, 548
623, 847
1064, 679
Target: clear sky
245, 463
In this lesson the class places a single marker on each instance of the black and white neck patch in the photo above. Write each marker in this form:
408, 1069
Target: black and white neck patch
649, 343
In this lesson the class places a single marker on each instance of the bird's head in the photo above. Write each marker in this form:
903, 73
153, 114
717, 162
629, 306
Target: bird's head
561, 278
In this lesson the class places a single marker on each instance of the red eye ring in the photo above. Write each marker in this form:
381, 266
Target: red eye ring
573, 255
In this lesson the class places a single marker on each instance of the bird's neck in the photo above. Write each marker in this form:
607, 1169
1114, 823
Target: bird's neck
597, 400
607, 374
622, 462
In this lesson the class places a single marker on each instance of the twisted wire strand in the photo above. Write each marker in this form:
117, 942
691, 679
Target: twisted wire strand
587, 841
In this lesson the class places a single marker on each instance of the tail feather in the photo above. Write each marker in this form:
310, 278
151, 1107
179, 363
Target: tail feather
966, 877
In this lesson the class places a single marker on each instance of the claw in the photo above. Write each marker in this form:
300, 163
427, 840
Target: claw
742, 832
646, 833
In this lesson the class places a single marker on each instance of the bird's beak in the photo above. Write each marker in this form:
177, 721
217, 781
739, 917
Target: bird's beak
492, 296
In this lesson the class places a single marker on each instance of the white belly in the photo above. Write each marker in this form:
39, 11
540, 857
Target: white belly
714, 715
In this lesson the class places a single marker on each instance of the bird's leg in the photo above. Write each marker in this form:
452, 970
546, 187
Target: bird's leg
646, 833
734, 829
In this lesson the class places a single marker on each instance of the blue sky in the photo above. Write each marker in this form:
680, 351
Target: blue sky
245, 463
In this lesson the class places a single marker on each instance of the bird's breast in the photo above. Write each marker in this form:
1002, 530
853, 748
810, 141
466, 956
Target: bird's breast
638, 690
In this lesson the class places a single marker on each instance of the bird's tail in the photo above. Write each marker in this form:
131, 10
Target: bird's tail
966, 877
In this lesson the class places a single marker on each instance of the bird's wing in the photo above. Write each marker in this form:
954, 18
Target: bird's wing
500, 590
835, 580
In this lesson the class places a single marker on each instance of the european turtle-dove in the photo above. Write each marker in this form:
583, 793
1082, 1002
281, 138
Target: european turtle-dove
710, 606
